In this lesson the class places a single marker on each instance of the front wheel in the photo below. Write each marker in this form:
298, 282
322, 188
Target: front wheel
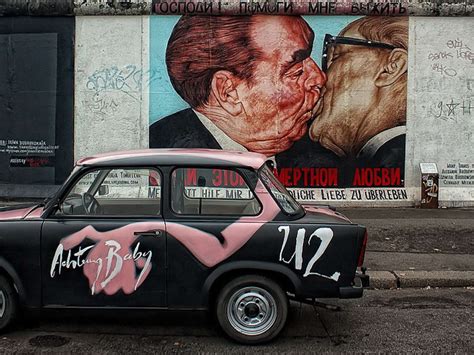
252, 309
8, 303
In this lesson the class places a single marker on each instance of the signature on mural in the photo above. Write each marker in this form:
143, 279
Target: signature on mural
325, 235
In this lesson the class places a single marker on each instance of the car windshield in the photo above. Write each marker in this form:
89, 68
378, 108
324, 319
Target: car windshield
279, 192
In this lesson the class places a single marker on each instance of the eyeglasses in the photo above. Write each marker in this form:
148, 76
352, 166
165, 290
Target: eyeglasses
332, 40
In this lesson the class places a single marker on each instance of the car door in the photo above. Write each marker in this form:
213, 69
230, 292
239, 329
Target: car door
105, 245
213, 213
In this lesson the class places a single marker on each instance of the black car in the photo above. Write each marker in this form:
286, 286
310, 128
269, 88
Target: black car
178, 229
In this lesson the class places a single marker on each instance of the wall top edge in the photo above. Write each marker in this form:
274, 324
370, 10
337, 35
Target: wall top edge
236, 7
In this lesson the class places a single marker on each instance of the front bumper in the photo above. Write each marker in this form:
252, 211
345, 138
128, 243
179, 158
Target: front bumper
357, 289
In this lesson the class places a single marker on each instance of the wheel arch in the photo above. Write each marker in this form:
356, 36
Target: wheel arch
7, 270
220, 276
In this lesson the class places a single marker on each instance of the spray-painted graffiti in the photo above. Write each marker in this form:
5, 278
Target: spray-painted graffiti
463, 51
453, 109
325, 236
430, 191
448, 61
129, 80
443, 69
325, 121
109, 265
101, 105
470, 84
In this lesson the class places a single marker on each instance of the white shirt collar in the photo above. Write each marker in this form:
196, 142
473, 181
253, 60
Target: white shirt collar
223, 139
370, 148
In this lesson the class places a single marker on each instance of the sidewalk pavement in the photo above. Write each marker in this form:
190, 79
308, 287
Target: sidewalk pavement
411, 247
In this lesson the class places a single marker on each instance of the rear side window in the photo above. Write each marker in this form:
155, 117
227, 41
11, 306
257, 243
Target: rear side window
205, 191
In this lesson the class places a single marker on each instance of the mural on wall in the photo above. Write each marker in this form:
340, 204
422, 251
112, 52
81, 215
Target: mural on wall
324, 98
36, 105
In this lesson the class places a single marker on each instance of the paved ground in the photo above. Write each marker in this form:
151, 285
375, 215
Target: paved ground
414, 230
411, 247
412, 320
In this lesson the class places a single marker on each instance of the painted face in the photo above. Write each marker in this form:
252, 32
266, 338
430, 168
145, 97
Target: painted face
350, 99
286, 85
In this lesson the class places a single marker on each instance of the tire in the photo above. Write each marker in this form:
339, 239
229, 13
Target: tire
8, 304
252, 309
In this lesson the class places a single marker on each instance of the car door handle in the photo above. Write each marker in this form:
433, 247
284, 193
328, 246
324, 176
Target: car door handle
149, 233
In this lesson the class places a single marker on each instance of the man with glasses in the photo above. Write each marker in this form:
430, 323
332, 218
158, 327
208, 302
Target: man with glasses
362, 113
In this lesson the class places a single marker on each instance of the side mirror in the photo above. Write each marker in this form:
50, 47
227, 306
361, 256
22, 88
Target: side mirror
103, 190
59, 208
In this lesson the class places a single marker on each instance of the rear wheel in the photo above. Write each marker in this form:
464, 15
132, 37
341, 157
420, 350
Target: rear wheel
8, 303
252, 309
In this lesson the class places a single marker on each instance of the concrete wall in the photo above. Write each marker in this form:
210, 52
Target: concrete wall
111, 75
440, 124
233, 7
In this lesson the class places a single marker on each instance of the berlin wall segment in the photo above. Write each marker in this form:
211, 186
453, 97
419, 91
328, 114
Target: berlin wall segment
36, 106
104, 87
234, 7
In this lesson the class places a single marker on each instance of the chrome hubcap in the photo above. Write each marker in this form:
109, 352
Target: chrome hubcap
2, 304
252, 311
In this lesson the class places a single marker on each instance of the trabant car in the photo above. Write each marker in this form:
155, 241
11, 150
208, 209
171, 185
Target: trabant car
178, 229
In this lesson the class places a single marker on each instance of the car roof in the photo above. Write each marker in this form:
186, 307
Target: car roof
175, 156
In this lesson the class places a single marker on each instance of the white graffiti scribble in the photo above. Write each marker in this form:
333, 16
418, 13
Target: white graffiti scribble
129, 80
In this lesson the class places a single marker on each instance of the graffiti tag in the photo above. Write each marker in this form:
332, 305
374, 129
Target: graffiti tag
129, 80
457, 50
450, 110
463, 51
443, 69
101, 105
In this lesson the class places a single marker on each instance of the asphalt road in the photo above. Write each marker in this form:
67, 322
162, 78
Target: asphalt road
421, 320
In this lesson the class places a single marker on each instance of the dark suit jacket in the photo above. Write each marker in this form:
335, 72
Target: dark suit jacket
308, 154
182, 129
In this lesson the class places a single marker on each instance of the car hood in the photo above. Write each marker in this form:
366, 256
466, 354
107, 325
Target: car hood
19, 212
323, 214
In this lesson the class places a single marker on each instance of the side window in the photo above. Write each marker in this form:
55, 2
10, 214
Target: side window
198, 191
134, 192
